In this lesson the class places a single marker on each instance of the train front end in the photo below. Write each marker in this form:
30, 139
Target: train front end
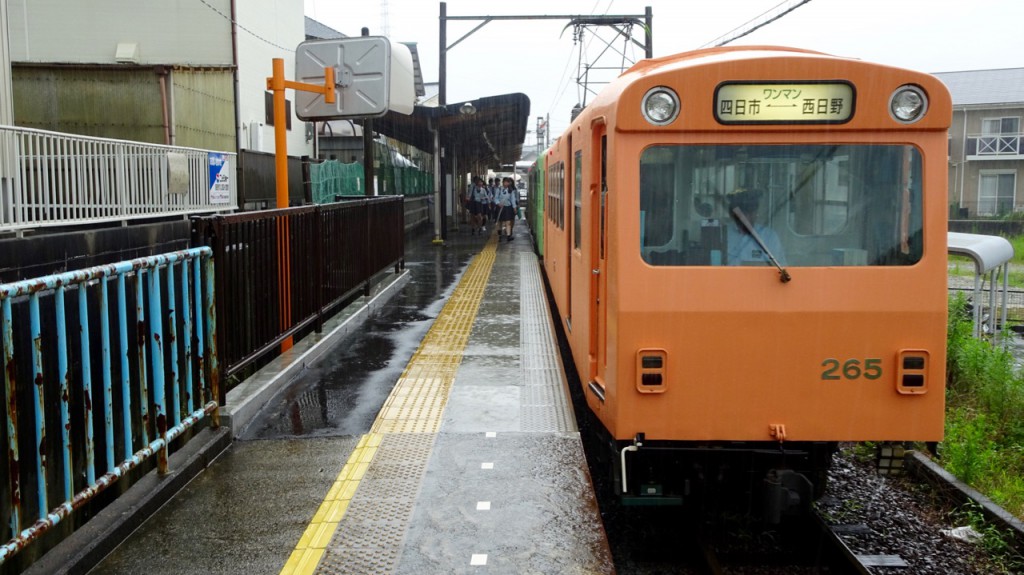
774, 272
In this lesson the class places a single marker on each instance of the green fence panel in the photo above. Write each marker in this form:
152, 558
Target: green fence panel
332, 178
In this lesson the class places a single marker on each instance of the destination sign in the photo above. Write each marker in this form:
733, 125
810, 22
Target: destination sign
784, 103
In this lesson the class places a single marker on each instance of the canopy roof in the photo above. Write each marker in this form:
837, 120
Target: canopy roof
988, 252
489, 137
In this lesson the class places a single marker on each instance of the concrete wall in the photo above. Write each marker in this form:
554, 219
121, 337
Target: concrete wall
194, 39
46, 31
274, 28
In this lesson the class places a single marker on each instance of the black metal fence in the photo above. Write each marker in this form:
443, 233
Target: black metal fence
257, 181
279, 272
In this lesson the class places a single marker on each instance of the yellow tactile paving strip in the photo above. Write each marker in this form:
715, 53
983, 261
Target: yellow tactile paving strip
415, 405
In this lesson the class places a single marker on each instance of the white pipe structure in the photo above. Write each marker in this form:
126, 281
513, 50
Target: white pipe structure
991, 255
7, 156
622, 456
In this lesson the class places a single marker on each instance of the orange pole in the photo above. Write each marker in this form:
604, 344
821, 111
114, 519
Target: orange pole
277, 84
284, 272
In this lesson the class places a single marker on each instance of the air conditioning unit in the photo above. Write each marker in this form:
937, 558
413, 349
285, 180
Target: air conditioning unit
256, 136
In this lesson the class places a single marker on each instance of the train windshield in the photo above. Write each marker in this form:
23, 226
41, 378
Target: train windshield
804, 205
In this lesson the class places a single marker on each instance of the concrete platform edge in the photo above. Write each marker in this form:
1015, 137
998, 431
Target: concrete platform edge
248, 398
90, 543
923, 466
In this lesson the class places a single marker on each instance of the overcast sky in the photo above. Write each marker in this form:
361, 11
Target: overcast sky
540, 59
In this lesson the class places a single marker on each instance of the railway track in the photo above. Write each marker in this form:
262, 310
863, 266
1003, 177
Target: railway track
814, 546
866, 524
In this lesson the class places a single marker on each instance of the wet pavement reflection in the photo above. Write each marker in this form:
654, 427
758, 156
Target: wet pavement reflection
344, 392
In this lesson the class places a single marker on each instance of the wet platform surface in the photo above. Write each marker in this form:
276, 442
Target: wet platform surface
471, 463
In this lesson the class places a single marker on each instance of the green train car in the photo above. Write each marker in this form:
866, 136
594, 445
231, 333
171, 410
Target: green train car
535, 202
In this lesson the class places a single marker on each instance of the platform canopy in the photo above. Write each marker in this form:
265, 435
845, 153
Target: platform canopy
486, 132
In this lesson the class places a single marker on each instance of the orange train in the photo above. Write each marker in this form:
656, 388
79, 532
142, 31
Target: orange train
747, 251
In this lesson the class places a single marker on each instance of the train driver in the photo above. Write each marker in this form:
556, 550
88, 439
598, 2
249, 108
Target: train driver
742, 245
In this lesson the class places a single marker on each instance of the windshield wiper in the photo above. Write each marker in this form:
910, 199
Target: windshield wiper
742, 219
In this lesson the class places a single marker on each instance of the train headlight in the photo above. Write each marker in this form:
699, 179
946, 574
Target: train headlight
660, 106
908, 104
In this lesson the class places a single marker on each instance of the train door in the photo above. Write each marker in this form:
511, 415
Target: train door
573, 181
599, 282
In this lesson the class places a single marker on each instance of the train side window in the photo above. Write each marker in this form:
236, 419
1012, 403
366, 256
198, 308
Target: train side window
604, 190
577, 199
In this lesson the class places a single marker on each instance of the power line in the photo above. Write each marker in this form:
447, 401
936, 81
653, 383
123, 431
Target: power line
240, 27
740, 31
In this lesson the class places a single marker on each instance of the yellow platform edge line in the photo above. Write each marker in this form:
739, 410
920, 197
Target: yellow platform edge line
310, 548
438, 356
459, 311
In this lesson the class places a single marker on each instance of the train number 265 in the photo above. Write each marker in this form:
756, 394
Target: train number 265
851, 369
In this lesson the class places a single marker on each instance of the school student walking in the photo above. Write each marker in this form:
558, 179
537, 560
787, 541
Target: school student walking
505, 201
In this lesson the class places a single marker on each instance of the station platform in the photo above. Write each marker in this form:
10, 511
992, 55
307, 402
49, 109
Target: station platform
472, 464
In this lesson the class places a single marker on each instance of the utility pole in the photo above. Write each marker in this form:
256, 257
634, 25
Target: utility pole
621, 25
368, 175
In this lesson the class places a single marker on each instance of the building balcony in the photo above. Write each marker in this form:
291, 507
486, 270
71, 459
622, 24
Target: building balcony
995, 147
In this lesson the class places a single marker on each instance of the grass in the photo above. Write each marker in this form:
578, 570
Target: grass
984, 428
984, 403
997, 544
1018, 249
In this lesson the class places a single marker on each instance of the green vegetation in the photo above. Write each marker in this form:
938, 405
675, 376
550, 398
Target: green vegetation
984, 444
1018, 249
998, 545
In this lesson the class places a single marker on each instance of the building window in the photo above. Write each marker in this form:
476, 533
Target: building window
268, 106
996, 192
991, 126
999, 135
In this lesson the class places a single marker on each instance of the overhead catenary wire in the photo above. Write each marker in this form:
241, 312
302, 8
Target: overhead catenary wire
243, 28
742, 30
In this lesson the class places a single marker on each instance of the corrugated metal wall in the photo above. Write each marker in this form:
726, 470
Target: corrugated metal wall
125, 103
106, 102
204, 108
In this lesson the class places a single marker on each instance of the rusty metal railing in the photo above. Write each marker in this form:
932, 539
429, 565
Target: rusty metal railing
162, 353
333, 252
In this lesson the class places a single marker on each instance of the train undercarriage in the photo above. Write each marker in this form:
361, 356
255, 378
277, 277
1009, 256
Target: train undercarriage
765, 480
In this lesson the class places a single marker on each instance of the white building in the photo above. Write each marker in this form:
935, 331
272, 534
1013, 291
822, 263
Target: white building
184, 73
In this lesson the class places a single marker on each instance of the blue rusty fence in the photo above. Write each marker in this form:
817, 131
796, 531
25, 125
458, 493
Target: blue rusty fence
79, 439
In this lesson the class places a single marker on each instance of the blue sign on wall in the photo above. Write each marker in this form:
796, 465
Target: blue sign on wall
220, 179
